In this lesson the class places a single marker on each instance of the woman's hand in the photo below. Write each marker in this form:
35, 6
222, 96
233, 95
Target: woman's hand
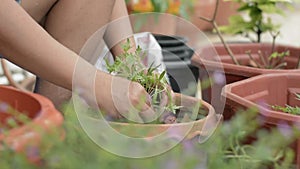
119, 97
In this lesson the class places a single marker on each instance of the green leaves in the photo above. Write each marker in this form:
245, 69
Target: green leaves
129, 65
279, 55
258, 20
288, 109
297, 96
237, 25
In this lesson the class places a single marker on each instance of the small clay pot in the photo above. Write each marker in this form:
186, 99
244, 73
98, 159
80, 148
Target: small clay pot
40, 111
192, 129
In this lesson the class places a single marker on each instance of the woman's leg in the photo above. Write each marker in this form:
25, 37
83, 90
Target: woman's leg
37, 9
72, 22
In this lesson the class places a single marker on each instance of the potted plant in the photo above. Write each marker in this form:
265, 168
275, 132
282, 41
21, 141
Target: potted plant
226, 149
24, 116
243, 60
275, 96
179, 112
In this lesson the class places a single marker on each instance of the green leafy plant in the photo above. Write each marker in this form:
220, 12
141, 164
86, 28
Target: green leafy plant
228, 148
129, 65
257, 22
287, 108
242, 143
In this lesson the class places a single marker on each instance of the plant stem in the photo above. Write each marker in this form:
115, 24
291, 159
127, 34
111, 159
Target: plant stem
224, 43
274, 36
262, 58
298, 65
215, 26
258, 35
283, 64
254, 61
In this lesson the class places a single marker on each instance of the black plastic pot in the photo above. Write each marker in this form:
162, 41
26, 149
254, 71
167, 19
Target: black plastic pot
177, 55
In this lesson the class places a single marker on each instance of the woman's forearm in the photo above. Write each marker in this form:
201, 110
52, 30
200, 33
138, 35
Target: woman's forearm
27, 44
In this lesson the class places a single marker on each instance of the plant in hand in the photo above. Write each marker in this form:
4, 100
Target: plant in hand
257, 22
129, 65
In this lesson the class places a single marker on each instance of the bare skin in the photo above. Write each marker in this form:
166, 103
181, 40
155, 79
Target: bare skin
24, 42
72, 23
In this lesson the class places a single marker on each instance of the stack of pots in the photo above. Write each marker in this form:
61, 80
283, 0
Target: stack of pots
177, 59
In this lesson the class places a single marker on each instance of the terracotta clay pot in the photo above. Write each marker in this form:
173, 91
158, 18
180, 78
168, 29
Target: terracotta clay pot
202, 127
262, 92
215, 59
40, 111
206, 9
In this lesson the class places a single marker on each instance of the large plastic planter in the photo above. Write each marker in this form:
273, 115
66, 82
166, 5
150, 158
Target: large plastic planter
43, 117
262, 92
215, 58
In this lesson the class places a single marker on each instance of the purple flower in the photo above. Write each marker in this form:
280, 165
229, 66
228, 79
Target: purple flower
188, 146
2, 130
4, 107
171, 164
219, 78
285, 129
32, 152
175, 134
262, 107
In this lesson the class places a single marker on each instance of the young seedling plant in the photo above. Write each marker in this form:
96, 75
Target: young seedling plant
129, 65
287, 108
258, 22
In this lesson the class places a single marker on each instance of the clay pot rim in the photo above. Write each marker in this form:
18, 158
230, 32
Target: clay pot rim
239, 69
47, 117
211, 113
226, 92
202, 127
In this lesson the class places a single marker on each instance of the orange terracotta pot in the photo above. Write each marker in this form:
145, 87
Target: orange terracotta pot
41, 112
263, 92
216, 59
206, 9
200, 127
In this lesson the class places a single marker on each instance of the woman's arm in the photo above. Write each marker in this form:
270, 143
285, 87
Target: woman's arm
27, 44
119, 29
